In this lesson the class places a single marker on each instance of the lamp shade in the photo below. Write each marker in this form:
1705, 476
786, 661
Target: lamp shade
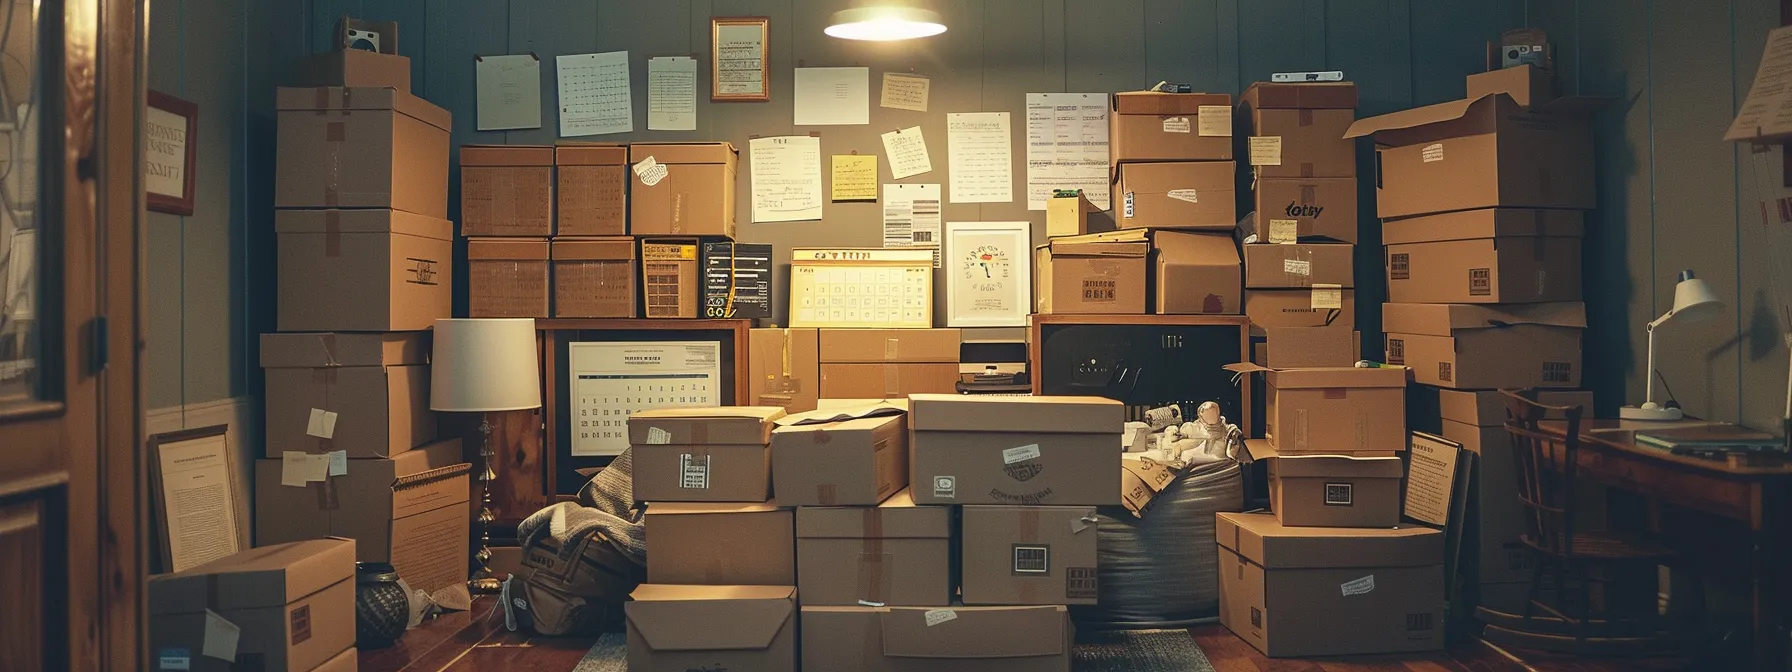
1693, 299
885, 24
484, 365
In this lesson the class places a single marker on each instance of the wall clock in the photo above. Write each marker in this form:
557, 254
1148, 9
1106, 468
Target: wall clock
990, 279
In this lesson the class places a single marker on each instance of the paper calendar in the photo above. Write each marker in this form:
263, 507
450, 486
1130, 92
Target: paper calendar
613, 380
861, 288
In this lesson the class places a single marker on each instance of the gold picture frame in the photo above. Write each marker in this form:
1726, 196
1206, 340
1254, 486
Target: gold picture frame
732, 75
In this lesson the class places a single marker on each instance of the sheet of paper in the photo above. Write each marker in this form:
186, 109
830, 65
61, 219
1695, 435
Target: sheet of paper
833, 96
912, 217
740, 60
855, 177
612, 380
786, 178
220, 637
979, 158
1067, 146
672, 94
1767, 112
509, 91
594, 94
907, 150
905, 92
202, 520
1431, 479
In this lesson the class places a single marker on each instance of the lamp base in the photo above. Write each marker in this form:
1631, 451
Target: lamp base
1646, 413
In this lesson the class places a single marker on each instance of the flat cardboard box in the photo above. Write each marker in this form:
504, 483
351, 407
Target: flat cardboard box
1059, 451
712, 627
721, 544
1068, 215
696, 196
1494, 255
1478, 347
593, 277
1299, 265
844, 346
1152, 126
362, 270
895, 553
1319, 207
840, 457
784, 368
1309, 347
410, 511
1332, 490
508, 277
669, 277
702, 454
1189, 195
937, 639
377, 385
1091, 275
1278, 308
1029, 555
353, 67
361, 147
1310, 119
1287, 590
507, 190
1334, 411
737, 280
592, 194
1196, 274
294, 604
893, 380
1528, 84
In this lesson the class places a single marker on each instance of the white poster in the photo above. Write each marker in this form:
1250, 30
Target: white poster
832, 96
1067, 146
508, 89
594, 94
979, 157
786, 178
672, 94
907, 151
912, 217
613, 380
988, 274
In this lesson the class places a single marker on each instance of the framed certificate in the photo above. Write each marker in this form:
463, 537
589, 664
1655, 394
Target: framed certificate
988, 273
740, 68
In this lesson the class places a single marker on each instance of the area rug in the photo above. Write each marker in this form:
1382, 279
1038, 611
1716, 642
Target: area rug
1110, 651
609, 654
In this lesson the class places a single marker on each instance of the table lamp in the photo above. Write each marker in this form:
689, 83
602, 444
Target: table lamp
484, 366
1693, 300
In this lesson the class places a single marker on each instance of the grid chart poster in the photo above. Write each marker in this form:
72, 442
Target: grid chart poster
613, 380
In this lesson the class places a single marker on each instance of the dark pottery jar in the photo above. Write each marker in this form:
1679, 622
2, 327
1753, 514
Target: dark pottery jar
382, 610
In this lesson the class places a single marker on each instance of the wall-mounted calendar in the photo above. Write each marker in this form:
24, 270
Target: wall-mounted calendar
610, 381
865, 288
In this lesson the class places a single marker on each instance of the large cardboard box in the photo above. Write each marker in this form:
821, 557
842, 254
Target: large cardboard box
508, 277
353, 67
361, 147
895, 553
1528, 84
1029, 554
1309, 119
891, 380
1015, 450
1152, 126
937, 639
1296, 265
1334, 411
293, 605
347, 661
1068, 215
693, 196
1196, 273
784, 368
1091, 274
1188, 195
593, 189
410, 511
1290, 591
1311, 207
1482, 153
841, 457
845, 346
702, 454
1309, 347
362, 270
1493, 255
364, 394
1480, 347
669, 277
593, 277
1332, 490
737, 280
506, 190
1317, 307
721, 544
712, 627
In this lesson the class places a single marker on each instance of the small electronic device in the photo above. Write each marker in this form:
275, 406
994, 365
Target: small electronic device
1296, 77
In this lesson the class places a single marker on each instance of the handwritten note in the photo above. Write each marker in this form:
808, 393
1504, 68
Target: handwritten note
1067, 146
740, 61
855, 177
672, 94
594, 94
509, 92
786, 178
979, 157
907, 150
905, 92
833, 96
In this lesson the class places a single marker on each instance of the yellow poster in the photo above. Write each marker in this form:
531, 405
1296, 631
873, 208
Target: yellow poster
855, 177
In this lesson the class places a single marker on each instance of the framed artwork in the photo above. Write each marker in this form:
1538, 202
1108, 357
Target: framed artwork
740, 65
989, 278
199, 514
168, 153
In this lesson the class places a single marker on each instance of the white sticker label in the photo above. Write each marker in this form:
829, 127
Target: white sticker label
1266, 150
220, 637
292, 469
650, 171
1176, 125
1129, 205
338, 462
1297, 267
1358, 586
937, 616
1020, 453
1185, 195
693, 471
174, 659
1432, 152
1328, 297
658, 437
1284, 231
1084, 522
322, 424
945, 487
1215, 120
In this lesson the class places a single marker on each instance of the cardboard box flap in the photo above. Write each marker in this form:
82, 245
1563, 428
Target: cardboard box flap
506, 155
1259, 538
1215, 249
710, 618
1327, 466
316, 350
973, 632
269, 576
1115, 236
897, 518
730, 425
1058, 415
1303, 96
591, 249
1064, 247
1462, 117
362, 221
683, 152
1327, 377
823, 416
1444, 319
350, 98
590, 154
1157, 102
500, 249
1485, 223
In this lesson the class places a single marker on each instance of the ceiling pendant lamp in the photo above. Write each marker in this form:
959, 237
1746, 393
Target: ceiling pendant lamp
885, 23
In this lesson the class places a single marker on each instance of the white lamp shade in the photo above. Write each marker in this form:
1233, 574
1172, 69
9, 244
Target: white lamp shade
1693, 299
885, 24
484, 365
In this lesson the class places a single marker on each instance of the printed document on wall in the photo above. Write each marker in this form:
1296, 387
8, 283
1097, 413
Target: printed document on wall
508, 92
786, 178
672, 93
912, 217
832, 96
594, 94
612, 380
979, 157
907, 150
1067, 146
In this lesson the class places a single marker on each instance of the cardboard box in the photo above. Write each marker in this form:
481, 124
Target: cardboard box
1272, 266
747, 628
1191, 195
362, 270
737, 280
1483, 153
784, 368
1332, 490
920, 639
1015, 450
1068, 215
1528, 84
693, 197
1309, 347
507, 277
843, 346
721, 544
1313, 207
353, 67
840, 457
1286, 590
1279, 308
669, 277
1496, 255
891, 380
411, 511
1029, 555
1152, 126
1487, 347
361, 147
1091, 274
593, 277
1334, 411
895, 553
347, 661
1310, 119
506, 190
593, 189
376, 386
1196, 273
702, 454
1141, 479
293, 603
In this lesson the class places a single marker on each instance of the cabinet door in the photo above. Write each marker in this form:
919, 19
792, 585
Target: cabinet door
21, 580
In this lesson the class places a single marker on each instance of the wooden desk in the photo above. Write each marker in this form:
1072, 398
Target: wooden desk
1756, 495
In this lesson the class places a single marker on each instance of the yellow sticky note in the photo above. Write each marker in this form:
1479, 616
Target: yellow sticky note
1266, 150
855, 177
1328, 297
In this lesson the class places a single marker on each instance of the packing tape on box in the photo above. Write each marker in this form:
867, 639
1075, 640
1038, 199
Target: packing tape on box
327, 341
700, 433
827, 494
1306, 117
1028, 528
332, 233
783, 385
892, 380
892, 349
1546, 184
677, 214
1309, 194
873, 562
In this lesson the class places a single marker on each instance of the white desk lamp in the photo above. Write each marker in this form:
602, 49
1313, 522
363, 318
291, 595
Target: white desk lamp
1693, 300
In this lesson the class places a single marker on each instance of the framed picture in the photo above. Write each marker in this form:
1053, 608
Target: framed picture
989, 278
740, 65
168, 156
199, 514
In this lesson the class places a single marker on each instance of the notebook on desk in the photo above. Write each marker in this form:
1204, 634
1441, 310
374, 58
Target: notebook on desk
1713, 440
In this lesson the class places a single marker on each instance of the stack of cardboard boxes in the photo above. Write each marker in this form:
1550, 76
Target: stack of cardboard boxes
797, 368
280, 608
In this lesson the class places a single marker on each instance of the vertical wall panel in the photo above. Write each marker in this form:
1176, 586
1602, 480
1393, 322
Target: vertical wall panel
1104, 45
164, 368
1449, 40
1280, 36
324, 14
413, 38
1763, 355
212, 69
548, 29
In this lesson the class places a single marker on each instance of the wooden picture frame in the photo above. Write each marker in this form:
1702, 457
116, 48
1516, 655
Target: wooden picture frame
730, 78
199, 461
169, 153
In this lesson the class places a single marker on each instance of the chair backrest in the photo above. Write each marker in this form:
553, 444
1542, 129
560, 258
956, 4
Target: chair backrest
1545, 465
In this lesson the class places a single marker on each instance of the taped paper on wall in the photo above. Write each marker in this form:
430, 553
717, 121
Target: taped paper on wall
832, 96
907, 150
786, 178
1067, 146
508, 92
979, 158
594, 94
905, 92
672, 93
